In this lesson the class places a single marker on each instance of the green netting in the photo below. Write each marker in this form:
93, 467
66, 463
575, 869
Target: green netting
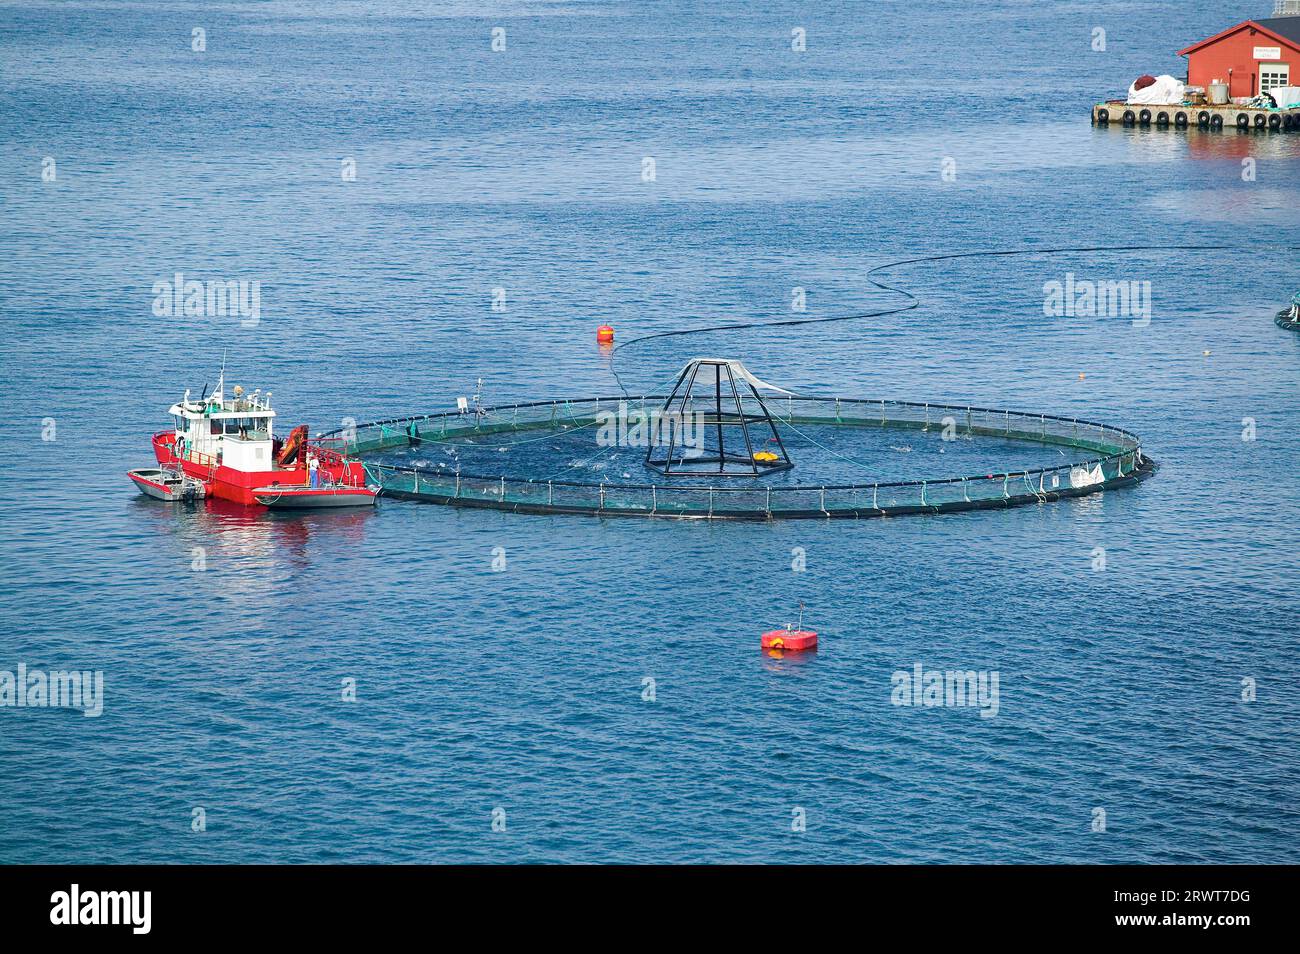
1106, 457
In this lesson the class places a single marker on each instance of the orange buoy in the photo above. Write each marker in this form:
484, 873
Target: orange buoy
604, 334
791, 640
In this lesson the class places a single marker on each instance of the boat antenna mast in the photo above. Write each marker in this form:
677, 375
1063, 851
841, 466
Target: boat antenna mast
220, 391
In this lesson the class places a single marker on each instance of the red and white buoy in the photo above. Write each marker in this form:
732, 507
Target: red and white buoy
605, 334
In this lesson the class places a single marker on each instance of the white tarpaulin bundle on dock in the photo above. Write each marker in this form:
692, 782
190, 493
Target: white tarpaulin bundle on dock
1165, 91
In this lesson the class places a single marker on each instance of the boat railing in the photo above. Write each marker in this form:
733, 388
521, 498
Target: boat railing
332, 458
327, 456
167, 439
249, 436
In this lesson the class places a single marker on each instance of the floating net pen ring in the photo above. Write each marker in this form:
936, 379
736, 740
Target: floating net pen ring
1095, 458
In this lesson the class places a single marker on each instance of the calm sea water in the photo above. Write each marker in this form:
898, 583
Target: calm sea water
524, 691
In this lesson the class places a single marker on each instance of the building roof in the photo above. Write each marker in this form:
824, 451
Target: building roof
1283, 29
1286, 27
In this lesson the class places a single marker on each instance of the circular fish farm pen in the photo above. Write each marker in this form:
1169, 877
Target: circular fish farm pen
592, 456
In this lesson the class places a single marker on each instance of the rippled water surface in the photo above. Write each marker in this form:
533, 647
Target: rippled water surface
1121, 626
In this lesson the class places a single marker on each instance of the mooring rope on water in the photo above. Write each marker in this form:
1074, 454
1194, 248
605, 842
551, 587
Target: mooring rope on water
913, 301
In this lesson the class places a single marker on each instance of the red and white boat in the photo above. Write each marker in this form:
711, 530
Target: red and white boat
228, 445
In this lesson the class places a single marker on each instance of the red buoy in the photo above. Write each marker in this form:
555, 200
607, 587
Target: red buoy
604, 334
792, 640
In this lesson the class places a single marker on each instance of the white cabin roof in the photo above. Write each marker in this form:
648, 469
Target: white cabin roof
216, 405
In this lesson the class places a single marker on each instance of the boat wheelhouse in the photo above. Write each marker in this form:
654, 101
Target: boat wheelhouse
236, 433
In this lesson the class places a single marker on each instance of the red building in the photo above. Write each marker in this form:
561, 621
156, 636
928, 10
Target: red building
1251, 57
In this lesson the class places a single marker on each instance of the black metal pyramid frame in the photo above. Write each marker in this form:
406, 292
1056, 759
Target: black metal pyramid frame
724, 458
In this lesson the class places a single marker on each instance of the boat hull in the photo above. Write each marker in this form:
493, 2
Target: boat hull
151, 486
160, 485
314, 498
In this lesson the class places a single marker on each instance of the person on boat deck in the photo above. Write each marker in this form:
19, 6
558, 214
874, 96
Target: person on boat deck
313, 469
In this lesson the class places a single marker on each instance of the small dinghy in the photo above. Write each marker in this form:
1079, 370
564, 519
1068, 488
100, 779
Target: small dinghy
313, 498
163, 484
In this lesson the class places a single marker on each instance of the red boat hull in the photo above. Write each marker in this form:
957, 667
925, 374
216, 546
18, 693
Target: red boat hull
237, 486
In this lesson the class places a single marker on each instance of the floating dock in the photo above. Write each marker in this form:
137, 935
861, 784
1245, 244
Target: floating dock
1217, 118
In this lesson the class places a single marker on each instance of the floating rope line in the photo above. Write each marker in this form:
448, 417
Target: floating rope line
912, 301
